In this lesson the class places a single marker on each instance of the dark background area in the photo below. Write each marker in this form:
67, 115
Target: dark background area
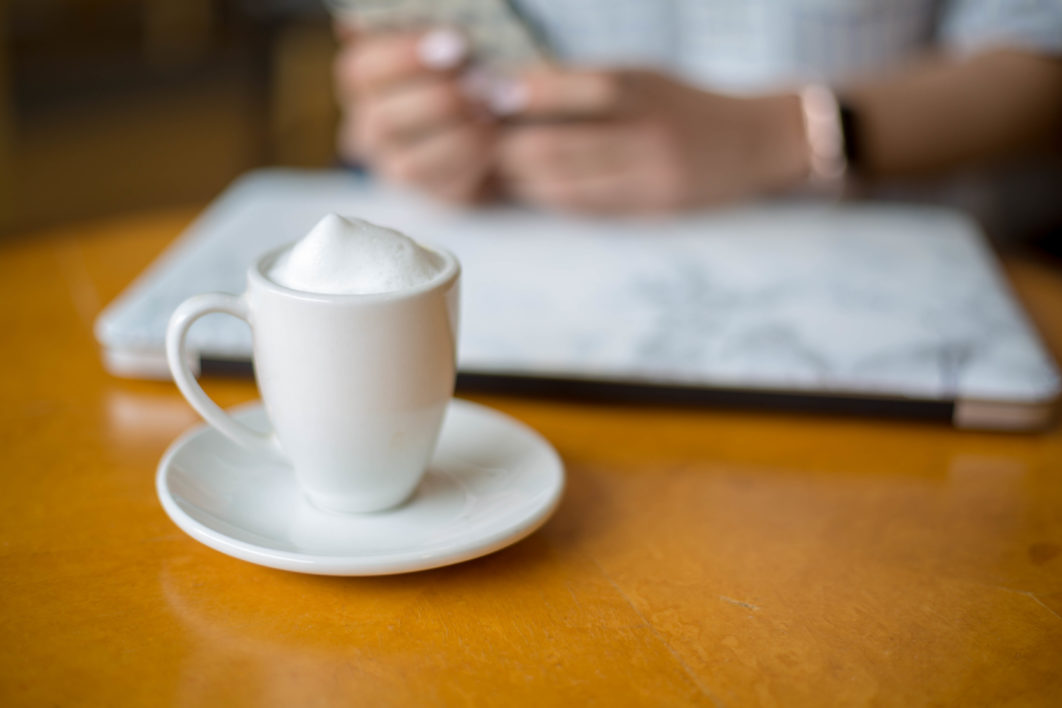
110, 106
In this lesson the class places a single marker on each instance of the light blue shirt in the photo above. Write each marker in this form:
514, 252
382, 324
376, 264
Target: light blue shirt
754, 45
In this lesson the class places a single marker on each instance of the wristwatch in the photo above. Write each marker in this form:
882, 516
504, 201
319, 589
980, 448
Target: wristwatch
830, 129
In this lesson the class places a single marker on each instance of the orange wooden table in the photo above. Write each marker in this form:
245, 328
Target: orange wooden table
700, 557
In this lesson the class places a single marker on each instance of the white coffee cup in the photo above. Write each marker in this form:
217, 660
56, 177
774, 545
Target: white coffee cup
355, 386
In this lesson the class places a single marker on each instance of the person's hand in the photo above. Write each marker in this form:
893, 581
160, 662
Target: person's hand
406, 116
637, 141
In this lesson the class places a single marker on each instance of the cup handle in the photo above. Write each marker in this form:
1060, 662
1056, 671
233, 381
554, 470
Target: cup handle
177, 356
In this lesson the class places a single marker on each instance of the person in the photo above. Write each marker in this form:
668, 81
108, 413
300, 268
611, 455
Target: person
676, 104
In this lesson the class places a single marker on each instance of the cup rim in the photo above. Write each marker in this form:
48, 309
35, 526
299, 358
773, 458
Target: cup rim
257, 274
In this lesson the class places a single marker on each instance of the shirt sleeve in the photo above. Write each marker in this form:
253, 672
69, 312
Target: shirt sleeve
970, 25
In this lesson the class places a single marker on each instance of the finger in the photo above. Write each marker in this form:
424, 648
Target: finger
604, 194
553, 93
465, 188
561, 151
445, 159
408, 114
638, 189
376, 63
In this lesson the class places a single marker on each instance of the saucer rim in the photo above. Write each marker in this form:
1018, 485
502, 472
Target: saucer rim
384, 563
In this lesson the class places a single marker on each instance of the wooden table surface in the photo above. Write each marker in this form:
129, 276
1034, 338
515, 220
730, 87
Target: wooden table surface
699, 557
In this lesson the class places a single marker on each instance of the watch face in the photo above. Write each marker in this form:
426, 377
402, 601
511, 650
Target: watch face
500, 38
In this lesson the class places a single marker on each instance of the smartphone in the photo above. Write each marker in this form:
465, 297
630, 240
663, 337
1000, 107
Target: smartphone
501, 39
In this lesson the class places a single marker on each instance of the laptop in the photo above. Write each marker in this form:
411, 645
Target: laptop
858, 308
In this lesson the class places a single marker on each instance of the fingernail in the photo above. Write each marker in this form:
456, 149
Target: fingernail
442, 49
506, 97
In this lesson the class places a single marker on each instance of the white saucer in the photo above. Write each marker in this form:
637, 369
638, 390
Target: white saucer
491, 482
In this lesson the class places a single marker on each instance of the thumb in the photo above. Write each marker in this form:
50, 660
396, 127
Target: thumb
559, 93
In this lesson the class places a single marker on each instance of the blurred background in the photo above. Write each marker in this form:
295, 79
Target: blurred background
111, 106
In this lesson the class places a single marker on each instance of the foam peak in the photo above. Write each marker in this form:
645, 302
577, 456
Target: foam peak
348, 256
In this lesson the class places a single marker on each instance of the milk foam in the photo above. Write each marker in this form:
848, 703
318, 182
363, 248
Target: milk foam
342, 256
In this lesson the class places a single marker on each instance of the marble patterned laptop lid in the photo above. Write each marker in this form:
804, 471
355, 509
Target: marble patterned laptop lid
881, 307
